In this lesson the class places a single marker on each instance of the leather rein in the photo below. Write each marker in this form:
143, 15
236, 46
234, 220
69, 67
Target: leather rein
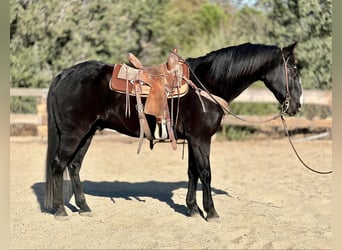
285, 107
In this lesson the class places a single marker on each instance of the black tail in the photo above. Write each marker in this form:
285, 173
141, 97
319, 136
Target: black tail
53, 143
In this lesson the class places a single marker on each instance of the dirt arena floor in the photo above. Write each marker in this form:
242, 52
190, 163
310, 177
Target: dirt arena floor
265, 198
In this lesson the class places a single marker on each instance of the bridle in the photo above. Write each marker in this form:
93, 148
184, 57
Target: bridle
286, 103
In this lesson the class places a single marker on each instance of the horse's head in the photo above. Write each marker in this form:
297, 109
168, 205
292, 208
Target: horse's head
284, 81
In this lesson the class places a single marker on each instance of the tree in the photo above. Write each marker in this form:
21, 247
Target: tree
47, 36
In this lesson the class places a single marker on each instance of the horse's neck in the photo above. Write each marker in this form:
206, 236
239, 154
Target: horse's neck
235, 88
227, 86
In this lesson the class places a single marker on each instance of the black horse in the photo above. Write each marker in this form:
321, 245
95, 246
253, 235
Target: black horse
80, 102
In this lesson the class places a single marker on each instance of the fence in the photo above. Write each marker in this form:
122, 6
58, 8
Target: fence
313, 97
317, 97
37, 121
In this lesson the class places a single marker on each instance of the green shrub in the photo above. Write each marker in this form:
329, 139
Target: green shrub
23, 105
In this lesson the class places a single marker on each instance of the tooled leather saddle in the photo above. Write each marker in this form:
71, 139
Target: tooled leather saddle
157, 84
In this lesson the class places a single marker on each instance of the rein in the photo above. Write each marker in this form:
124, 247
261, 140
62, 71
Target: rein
285, 107
295, 151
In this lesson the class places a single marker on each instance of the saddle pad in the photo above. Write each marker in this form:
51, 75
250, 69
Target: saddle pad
128, 73
120, 84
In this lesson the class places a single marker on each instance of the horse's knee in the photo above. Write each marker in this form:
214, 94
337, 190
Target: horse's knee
74, 168
58, 166
205, 176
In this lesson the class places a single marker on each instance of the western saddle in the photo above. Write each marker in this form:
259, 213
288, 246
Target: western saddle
157, 84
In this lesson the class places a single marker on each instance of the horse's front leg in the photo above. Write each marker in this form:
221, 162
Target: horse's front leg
193, 175
200, 152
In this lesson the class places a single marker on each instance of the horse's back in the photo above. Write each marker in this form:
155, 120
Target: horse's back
79, 92
81, 78
81, 72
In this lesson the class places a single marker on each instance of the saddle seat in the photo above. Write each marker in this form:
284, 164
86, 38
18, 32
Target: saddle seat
123, 73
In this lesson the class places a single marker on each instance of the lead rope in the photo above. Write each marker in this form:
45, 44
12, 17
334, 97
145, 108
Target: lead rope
249, 121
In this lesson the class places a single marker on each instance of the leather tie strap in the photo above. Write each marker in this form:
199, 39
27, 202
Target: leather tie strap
144, 128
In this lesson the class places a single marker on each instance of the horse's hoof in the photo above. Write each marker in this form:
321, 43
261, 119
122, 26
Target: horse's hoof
195, 213
86, 213
213, 216
61, 216
213, 219
60, 213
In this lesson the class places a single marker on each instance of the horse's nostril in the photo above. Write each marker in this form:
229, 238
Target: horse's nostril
299, 107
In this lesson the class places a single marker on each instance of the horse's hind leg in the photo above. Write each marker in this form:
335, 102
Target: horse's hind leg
65, 154
74, 170
58, 166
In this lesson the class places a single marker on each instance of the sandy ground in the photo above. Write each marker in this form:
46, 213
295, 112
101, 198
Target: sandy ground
265, 198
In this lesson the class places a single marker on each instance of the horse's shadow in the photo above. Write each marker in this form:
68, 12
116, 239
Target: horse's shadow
162, 191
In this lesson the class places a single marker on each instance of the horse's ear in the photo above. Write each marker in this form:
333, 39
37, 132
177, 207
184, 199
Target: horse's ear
289, 49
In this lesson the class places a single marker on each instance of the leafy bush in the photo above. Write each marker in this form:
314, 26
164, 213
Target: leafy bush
23, 105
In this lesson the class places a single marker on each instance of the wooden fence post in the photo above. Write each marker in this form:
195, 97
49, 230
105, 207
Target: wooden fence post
42, 114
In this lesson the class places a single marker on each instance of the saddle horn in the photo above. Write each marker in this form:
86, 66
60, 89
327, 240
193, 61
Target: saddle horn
172, 60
